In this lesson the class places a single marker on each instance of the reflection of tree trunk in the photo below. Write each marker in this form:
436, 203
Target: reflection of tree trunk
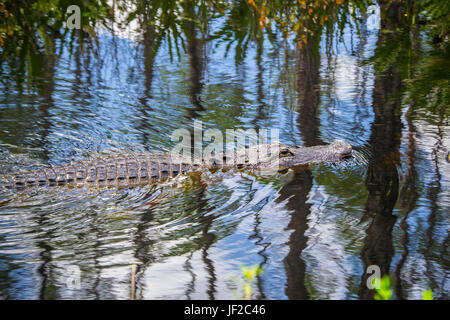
143, 252
208, 239
44, 270
298, 189
47, 87
194, 50
264, 245
205, 242
97, 229
361, 79
435, 189
260, 242
408, 194
382, 178
81, 40
261, 115
297, 192
189, 269
149, 52
407, 197
308, 92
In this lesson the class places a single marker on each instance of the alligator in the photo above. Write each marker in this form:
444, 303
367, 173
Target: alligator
129, 170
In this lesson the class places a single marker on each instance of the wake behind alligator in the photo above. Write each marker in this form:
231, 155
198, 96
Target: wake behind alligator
130, 170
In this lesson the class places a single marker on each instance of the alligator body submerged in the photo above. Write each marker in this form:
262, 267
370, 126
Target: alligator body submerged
123, 171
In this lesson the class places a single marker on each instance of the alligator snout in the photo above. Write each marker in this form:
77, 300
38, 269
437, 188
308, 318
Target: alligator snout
341, 148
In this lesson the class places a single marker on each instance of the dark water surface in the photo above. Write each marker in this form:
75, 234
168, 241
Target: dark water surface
314, 232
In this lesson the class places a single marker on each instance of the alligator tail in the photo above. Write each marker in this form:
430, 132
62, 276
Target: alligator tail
113, 171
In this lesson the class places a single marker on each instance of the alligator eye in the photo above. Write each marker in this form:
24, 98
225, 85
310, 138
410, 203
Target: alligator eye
286, 152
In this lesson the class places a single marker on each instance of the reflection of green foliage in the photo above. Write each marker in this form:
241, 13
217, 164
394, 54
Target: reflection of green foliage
171, 20
348, 185
388, 53
438, 14
307, 18
30, 24
425, 75
430, 88
241, 27
28, 29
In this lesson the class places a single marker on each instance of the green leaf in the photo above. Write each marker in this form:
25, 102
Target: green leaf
251, 272
384, 292
427, 295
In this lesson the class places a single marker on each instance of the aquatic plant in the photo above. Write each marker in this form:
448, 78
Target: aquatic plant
384, 291
245, 281
249, 275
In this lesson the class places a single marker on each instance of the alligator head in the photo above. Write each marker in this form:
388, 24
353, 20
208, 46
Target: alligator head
295, 156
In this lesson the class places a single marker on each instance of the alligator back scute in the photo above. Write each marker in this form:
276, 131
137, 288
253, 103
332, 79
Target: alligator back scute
117, 171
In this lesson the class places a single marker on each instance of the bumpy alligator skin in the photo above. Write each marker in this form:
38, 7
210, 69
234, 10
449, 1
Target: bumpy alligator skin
124, 171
